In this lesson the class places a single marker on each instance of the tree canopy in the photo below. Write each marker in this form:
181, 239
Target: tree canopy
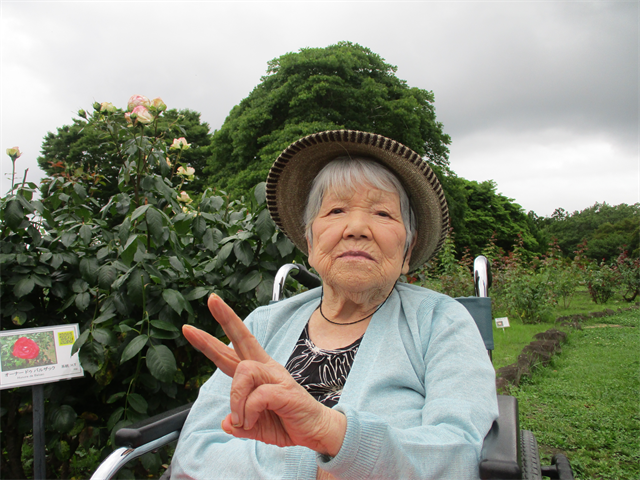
82, 146
340, 86
478, 212
606, 228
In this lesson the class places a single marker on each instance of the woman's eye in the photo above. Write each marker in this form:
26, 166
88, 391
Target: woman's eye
336, 210
384, 214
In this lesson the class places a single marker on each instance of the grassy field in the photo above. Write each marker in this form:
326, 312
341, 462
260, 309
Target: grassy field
510, 341
586, 403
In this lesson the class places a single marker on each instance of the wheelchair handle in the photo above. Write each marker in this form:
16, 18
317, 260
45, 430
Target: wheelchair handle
299, 272
482, 276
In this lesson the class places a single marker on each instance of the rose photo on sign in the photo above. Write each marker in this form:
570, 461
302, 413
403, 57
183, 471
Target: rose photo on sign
28, 350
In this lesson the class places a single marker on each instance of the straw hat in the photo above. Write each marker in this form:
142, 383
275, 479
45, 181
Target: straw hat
289, 182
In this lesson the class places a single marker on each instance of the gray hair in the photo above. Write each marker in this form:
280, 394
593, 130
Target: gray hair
347, 174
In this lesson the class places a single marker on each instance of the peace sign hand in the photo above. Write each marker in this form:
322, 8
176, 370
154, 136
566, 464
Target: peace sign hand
267, 404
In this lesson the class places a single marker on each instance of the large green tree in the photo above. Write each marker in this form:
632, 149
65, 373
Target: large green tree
340, 86
82, 145
479, 212
606, 228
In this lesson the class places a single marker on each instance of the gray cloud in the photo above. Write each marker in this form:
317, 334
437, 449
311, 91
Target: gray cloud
514, 81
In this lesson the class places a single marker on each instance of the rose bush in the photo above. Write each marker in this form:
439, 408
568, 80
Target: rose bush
131, 270
25, 348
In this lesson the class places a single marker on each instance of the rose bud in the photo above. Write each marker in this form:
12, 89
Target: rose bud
137, 100
159, 104
107, 107
82, 113
14, 153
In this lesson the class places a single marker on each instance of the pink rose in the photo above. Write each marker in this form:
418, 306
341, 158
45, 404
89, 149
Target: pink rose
188, 172
180, 144
138, 100
143, 115
25, 348
184, 197
159, 104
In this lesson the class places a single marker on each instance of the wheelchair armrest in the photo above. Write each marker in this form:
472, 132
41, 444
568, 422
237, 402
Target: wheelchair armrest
153, 428
499, 457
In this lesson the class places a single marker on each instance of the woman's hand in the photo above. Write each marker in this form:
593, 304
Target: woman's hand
267, 404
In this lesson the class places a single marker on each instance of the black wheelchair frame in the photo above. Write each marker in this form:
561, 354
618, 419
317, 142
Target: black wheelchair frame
507, 452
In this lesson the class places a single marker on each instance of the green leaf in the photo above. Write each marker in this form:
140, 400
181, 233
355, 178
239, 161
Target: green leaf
115, 417
163, 325
176, 264
260, 193
264, 225
223, 254
13, 214
123, 231
154, 224
198, 226
104, 336
264, 291
243, 252
285, 246
24, 286
133, 348
44, 282
138, 212
104, 317
83, 300
80, 190
19, 318
163, 334
106, 276
85, 234
137, 402
161, 363
129, 250
89, 269
63, 418
67, 238
115, 397
197, 293
250, 281
80, 341
174, 299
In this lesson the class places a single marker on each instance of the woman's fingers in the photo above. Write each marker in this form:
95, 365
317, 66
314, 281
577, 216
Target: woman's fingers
223, 356
244, 343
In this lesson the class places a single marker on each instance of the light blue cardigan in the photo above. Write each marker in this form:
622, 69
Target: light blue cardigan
419, 399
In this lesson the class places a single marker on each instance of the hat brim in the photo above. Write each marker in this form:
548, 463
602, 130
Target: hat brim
290, 178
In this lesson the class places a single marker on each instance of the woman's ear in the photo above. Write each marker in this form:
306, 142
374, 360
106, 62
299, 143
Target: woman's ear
407, 257
310, 258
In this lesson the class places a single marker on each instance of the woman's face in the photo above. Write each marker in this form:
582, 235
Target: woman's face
358, 240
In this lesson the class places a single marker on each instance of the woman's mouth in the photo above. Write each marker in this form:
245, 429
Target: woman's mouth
356, 254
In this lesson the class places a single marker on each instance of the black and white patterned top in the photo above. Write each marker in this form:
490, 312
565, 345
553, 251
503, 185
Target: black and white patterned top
322, 372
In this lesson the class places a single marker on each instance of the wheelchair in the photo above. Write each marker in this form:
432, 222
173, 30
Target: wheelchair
507, 452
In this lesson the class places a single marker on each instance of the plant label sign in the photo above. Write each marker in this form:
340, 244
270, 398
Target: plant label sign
502, 322
32, 356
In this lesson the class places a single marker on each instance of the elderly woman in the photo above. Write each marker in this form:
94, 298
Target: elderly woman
362, 378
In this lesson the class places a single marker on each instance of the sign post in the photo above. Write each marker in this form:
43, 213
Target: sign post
33, 357
502, 323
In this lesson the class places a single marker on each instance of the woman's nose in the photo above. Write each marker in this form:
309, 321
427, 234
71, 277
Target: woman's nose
356, 226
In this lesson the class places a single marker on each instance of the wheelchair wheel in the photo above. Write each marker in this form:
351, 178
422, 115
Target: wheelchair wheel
530, 457
563, 467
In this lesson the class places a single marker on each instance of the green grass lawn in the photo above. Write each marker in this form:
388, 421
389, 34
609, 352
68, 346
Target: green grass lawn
510, 341
585, 403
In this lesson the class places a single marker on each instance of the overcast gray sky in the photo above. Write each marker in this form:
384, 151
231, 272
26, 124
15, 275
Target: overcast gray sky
541, 97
